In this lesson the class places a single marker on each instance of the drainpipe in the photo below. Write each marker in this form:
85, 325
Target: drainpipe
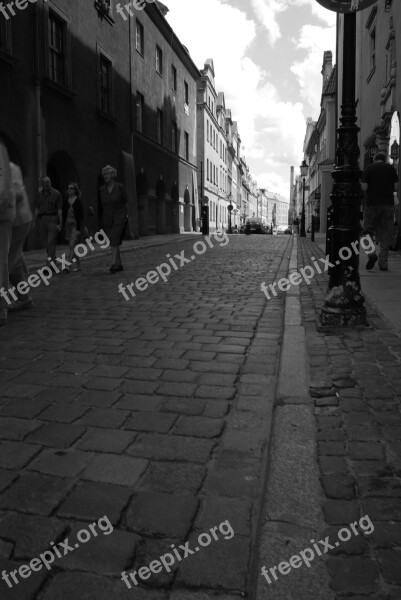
38, 113
130, 88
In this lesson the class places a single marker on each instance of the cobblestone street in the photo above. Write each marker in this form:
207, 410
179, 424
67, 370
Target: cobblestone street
154, 412
191, 405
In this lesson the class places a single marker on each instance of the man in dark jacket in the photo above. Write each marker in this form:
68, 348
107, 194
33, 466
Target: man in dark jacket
380, 181
49, 215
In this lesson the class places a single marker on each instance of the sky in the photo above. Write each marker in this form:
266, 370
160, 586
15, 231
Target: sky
268, 57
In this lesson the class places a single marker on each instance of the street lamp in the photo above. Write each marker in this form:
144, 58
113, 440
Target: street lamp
344, 301
304, 171
230, 208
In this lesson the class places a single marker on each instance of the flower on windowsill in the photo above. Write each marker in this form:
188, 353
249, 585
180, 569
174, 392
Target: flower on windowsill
103, 5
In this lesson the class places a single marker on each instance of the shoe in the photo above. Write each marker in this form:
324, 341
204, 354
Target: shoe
76, 268
116, 268
371, 262
20, 305
383, 268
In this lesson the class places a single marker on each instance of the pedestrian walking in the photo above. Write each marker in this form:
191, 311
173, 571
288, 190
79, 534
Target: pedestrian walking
380, 182
49, 216
20, 229
7, 215
115, 213
74, 224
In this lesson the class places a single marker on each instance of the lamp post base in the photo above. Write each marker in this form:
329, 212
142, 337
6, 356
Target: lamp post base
331, 319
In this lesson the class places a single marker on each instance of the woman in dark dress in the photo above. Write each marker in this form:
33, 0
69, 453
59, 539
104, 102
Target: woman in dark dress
73, 224
115, 213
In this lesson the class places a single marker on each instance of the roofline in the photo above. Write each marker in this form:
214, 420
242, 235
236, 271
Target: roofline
168, 33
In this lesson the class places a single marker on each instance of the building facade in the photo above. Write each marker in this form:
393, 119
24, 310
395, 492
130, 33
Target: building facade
378, 81
83, 87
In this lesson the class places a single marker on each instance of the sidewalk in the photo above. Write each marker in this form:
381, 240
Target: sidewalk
336, 450
37, 258
383, 290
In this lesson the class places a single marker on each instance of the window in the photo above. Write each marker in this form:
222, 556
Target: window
57, 49
140, 109
207, 130
186, 93
373, 49
160, 127
211, 140
105, 85
174, 77
174, 137
186, 147
207, 170
159, 60
139, 38
5, 36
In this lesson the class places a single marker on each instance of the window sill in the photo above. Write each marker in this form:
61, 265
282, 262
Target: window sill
106, 116
62, 89
371, 74
159, 74
140, 53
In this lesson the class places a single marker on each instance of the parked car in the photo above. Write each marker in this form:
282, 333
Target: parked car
254, 225
288, 231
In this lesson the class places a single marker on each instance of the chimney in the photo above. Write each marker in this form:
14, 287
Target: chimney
291, 182
327, 66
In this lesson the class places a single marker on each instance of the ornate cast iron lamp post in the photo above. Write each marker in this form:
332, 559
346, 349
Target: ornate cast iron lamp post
344, 301
304, 172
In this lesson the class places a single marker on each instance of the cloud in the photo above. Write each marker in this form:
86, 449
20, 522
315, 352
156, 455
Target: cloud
275, 183
271, 116
314, 40
268, 11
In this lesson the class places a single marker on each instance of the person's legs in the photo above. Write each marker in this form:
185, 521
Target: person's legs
385, 232
18, 237
43, 231
370, 225
5, 241
51, 237
74, 239
16, 264
115, 255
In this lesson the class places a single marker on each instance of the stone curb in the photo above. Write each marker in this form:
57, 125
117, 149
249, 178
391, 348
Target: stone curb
292, 511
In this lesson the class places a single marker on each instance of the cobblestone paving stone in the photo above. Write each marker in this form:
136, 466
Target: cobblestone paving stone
154, 412
355, 387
